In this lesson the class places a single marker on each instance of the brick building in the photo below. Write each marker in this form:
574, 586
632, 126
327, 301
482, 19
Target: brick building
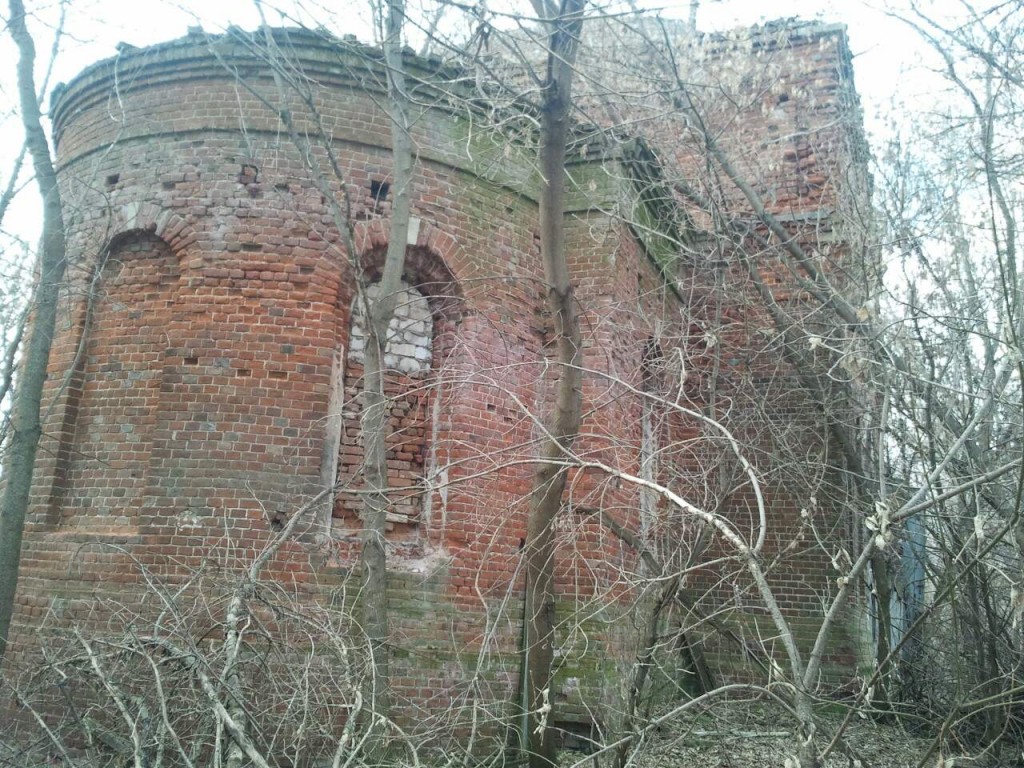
205, 378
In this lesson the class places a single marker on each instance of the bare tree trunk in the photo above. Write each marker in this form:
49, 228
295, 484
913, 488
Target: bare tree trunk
550, 478
994, 684
882, 585
642, 668
25, 424
379, 310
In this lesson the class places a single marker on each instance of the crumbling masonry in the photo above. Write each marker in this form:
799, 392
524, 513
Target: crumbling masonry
205, 378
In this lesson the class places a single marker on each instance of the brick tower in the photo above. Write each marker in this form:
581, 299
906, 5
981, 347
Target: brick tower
205, 379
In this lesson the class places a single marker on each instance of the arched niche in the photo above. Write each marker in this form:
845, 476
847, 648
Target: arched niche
420, 340
104, 456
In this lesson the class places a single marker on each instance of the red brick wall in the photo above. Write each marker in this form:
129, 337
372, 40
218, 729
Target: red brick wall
210, 294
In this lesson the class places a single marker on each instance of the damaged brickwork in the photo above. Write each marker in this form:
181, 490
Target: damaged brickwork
205, 378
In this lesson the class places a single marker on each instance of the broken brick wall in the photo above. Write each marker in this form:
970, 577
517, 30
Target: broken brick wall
204, 382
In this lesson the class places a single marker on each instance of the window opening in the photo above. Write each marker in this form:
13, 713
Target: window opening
408, 359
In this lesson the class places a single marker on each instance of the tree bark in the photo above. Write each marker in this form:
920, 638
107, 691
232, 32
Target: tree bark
550, 478
882, 585
25, 420
379, 311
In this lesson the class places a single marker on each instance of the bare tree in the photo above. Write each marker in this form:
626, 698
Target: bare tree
563, 25
952, 195
25, 422
379, 311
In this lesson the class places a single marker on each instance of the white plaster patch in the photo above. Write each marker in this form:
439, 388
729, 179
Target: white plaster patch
410, 333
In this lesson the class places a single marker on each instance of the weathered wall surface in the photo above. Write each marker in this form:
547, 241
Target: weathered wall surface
209, 320
771, 110
204, 382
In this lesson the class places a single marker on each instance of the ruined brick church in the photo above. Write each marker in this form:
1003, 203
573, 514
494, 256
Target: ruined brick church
205, 381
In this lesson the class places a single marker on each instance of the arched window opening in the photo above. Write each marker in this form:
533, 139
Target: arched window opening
410, 380
420, 339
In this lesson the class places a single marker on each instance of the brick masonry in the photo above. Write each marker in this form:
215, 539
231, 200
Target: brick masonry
205, 377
